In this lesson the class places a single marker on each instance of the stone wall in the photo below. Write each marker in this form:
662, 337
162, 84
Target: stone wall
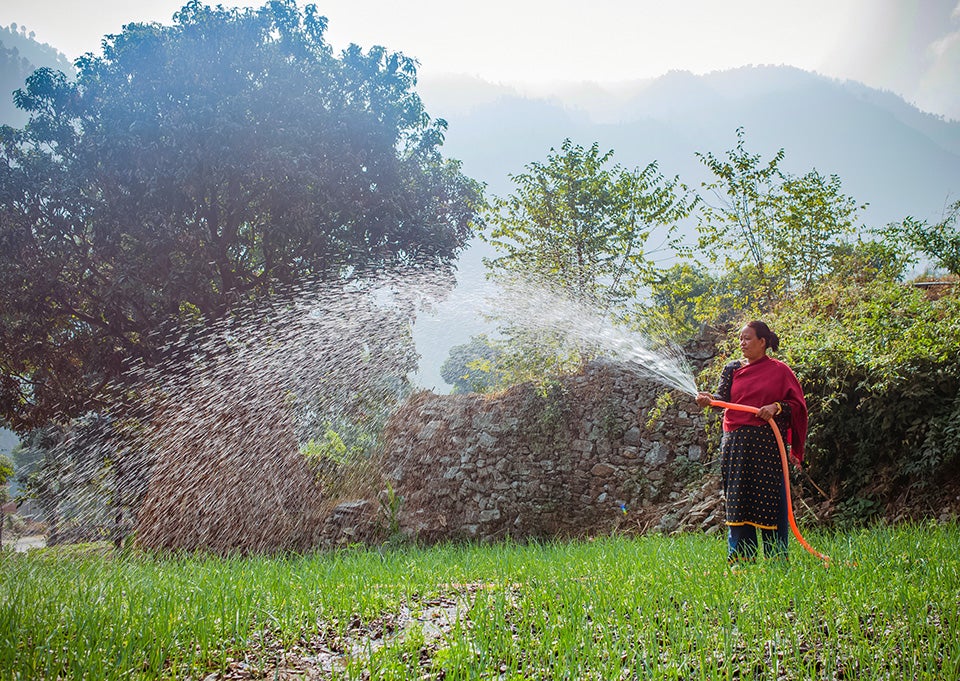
585, 455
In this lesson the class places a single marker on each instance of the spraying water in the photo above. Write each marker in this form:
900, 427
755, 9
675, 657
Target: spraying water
206, 448
534, 306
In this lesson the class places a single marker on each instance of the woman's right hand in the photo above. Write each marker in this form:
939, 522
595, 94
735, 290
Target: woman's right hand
704, 399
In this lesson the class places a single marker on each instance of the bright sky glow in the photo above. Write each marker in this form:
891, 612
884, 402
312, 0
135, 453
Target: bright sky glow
911, 47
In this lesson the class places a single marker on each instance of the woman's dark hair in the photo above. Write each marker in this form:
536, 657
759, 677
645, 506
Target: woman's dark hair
763, 331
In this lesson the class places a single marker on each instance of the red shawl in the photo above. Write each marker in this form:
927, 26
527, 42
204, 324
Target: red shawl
764, 382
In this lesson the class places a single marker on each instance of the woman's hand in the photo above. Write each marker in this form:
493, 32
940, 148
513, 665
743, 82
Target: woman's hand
768, 411
704, 399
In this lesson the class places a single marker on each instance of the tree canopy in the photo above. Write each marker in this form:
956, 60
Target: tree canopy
196, 165
940, 241
585, 225
784, 226
471, 367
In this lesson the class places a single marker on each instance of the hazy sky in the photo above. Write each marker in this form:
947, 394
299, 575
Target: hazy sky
911, 47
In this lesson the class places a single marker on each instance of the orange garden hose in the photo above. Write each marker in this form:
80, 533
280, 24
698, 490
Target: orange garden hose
786, 474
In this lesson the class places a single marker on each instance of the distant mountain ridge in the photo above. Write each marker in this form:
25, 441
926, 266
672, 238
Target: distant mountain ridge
887, 152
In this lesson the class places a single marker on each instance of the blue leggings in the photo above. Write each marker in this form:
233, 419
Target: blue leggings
742, 539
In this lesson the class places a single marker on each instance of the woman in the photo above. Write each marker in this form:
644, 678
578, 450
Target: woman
753, 484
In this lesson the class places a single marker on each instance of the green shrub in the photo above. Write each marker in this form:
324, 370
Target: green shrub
880, 362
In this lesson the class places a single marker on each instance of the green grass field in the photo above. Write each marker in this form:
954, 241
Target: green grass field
614, 608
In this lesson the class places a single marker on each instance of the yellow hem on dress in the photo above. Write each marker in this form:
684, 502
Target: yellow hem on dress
759, 527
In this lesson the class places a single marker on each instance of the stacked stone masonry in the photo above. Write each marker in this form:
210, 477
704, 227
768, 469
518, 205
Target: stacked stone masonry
586, 455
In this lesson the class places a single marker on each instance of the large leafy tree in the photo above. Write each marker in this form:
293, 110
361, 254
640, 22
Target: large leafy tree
812, 219
786, 228
585, 225
199, 164
735, 215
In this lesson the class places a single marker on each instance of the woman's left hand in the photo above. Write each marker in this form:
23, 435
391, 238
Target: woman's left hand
768, 411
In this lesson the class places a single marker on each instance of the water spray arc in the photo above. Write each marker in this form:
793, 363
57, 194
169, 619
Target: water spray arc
786, 474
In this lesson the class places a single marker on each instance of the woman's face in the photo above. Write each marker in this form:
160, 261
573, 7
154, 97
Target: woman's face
753, 348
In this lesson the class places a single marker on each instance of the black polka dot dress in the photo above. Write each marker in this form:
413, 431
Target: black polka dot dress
751, 468
752, 477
